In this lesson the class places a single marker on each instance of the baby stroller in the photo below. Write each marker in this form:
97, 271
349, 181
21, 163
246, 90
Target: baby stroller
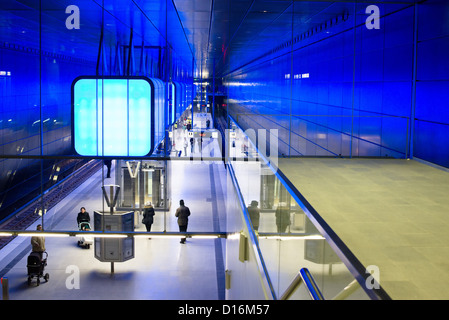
36, 266
85, 241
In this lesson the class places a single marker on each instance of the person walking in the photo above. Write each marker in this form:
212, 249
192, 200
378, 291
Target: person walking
182, 213
148, 216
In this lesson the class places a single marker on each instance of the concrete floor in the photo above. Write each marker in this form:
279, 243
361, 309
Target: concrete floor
390, 213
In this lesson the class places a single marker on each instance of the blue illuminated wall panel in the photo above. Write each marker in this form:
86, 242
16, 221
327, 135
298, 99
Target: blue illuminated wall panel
431, 125
44, 57
346, 92
113, 117
35, 119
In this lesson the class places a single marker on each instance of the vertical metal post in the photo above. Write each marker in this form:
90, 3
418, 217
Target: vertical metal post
5, 288
100, 48
41, 122
111, 197
213, 97
193, 86
411, 132
291, 85
353, 83
129, 53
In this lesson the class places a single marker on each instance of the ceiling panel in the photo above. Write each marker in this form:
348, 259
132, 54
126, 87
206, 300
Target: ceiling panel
217, 34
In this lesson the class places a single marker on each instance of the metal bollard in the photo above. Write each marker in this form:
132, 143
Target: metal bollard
5, 287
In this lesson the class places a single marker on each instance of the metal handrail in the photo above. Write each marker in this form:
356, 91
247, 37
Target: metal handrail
347, 291
305, 276
99, 233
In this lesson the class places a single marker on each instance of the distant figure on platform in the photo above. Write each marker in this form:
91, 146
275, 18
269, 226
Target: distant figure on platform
108, 164
83, 216
192, 146
185, 146
254, 214
207, 124
182, 213
38, 242
148, 216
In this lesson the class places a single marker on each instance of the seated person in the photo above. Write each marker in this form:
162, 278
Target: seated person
83, 216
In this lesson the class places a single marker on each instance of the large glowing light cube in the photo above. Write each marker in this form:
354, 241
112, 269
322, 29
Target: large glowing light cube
112, 116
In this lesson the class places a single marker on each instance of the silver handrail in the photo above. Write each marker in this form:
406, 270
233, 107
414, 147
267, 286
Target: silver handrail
303, 276
347, 291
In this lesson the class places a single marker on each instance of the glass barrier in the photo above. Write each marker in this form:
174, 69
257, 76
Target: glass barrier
246, 272
288, 239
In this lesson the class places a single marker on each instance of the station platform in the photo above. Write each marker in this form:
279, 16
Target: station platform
389, 213
162, 269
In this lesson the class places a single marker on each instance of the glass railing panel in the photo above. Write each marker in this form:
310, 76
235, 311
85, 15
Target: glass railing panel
243, 263
287, 237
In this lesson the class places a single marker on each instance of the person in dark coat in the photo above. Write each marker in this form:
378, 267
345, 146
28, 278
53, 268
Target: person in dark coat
254, 214
108, 164
148, 214
83, 216
282, 217
182, 213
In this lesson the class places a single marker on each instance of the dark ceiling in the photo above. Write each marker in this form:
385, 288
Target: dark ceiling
225, 34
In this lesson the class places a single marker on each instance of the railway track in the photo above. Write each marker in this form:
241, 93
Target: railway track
29, 214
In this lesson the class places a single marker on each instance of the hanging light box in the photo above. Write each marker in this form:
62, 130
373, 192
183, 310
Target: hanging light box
112, 116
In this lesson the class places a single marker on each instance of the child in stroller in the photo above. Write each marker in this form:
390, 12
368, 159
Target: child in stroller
85, 241
36, 266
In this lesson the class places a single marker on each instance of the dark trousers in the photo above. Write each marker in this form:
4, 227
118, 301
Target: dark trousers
148, 227
183, 229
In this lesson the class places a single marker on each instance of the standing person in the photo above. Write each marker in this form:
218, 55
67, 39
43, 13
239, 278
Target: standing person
254, 214
182, 213
83, 216
282, 217
185, 146
108, 164
38, 242
148, 214
191, 145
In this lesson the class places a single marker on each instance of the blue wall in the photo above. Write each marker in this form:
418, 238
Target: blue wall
358, 98
431, 135
43, 57
20, 115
